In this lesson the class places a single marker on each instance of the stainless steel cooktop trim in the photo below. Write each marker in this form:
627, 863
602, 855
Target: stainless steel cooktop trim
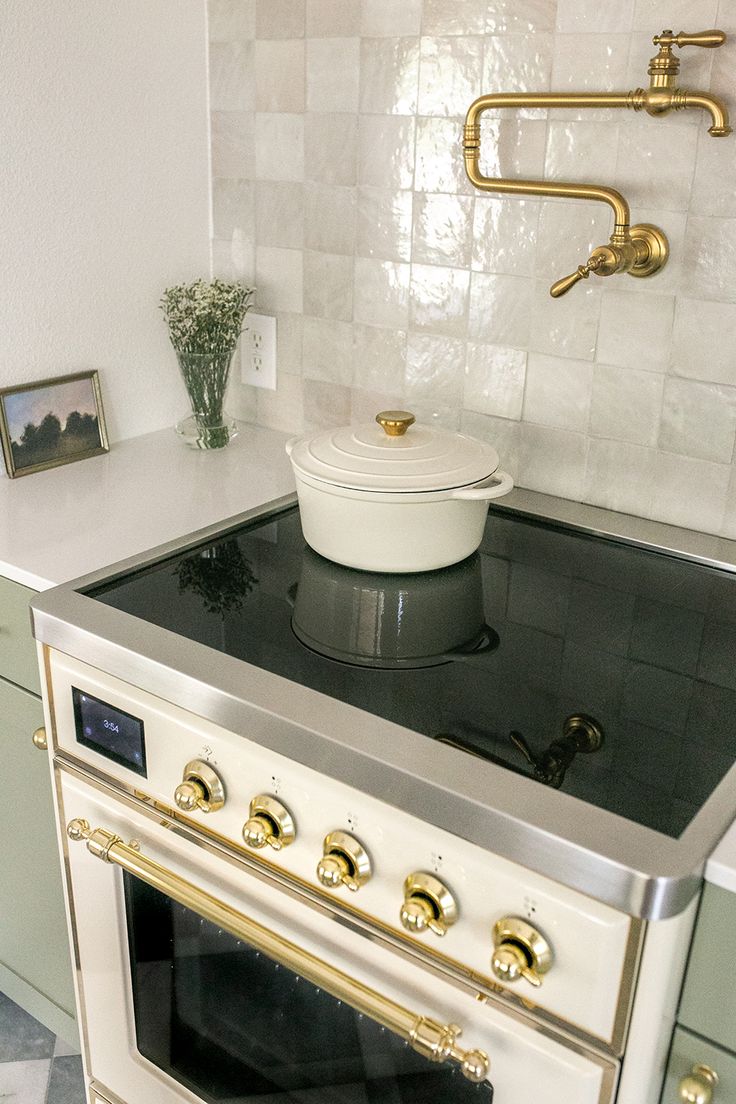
633, 868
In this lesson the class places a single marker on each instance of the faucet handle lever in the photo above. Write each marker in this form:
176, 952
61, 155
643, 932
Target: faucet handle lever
707, 39
561, 287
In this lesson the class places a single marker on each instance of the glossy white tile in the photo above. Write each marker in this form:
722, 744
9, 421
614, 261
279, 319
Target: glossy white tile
690, 492
574, 16
567, 233
626, 404
439, 299
279, 279
635, 330
331, 148
698, 420
494, 380
387, 19
502, 433
449, 74
520, 16
518, 62
558, 392
704, 338
328, 286
279, 213
233, 145
233, 209
384, 224
458, 17
333, 74
438, 167
325, 404
280, 18
577, 151
380, 358
500, 309
505, 235
648, 170
386, 151
381, 293
280, 75
389, 76
231, 22
328, 351
443, 229
434, 369
333, 18
649, 14
552, 460
329, 218
232, 84
289, 333
364, 405
283, 408
713, 192
710, 258
567, 326
619, 476
279, 146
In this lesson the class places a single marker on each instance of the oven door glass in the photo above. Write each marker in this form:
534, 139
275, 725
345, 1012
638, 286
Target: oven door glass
231, 1025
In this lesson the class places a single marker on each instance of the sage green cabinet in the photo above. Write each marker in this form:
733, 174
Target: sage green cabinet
689, 1050
709, 997
35, 963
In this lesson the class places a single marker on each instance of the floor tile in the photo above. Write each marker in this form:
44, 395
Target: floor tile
66, 1083
24, 1082
21, 1037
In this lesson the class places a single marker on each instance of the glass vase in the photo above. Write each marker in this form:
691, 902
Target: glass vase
205, 376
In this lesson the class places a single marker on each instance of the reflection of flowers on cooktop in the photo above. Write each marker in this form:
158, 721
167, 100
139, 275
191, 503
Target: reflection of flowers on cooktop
220, 575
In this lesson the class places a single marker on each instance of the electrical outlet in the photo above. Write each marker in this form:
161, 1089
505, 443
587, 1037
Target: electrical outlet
258, 351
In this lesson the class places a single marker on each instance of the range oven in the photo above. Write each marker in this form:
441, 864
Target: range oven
281, 890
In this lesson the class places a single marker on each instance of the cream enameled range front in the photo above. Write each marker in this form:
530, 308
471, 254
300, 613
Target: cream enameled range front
277, 894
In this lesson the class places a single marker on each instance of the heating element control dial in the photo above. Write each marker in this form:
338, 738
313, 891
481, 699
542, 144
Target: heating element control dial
428, 903
520, 951
201, 789
344, 862
269, 822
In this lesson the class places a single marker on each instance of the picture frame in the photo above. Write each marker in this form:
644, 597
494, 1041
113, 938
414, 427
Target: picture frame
35, 429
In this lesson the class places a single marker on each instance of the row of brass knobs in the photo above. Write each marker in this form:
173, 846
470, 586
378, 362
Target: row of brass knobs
520, 951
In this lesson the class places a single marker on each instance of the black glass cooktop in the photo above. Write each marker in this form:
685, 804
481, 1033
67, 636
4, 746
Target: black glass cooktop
598, 668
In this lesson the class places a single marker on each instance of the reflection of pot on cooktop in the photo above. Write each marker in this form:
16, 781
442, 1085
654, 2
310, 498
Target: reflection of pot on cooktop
391, 621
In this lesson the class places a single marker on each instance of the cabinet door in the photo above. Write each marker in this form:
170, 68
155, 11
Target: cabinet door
17, 648
709, 996
33, 933
688, 1051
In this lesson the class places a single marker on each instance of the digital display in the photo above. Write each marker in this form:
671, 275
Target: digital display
111, 732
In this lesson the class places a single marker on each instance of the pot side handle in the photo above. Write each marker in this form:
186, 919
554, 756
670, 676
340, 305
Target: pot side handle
500, 483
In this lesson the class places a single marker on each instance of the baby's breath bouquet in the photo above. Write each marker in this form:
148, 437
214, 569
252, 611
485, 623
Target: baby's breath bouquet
205, 320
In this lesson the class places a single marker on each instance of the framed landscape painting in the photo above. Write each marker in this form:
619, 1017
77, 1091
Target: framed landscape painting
54, 421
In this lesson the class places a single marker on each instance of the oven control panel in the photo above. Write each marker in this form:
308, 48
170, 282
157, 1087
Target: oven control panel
509, 927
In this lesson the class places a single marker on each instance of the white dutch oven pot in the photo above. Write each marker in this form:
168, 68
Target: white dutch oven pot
395, 496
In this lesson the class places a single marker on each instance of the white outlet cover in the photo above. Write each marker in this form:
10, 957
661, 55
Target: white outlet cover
258, 351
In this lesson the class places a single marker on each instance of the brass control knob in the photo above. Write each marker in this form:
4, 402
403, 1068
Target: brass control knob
428, 903
201, 789
395, 422
520, 951
39, 739
344, 862
269, 822
697, 1087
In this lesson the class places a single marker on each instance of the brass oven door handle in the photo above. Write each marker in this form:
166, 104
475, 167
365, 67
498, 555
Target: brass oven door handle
433, 1040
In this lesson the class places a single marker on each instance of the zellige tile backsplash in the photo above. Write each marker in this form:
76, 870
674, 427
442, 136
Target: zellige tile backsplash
339, 190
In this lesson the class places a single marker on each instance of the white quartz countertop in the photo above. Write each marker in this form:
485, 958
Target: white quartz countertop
720, 869
65, 522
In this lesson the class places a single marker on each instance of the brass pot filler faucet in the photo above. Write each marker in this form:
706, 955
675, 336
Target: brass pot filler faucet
639, 250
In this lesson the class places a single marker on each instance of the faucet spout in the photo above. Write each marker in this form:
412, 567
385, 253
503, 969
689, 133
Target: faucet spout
721, 126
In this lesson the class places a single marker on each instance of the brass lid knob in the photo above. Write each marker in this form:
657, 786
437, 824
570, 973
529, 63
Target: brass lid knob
520, 951
344, 862
395, 422
428, 903
39, 739
697, 1087
270, 823
201, 789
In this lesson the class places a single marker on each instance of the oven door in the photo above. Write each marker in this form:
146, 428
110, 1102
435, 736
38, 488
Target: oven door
201, 983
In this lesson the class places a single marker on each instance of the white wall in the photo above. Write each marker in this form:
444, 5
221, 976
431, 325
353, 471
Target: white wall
104, 193
339, 190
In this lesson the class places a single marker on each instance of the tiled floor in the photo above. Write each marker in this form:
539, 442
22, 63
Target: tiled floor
36, 1067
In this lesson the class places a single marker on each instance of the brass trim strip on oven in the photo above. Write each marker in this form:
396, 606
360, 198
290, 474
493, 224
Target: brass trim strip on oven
433, 1040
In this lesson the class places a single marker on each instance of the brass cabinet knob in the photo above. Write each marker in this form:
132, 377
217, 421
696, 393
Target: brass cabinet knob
520, 951
428, 904
201, 789
395, 422
269, 822
697, 1087
39, 739
344, 862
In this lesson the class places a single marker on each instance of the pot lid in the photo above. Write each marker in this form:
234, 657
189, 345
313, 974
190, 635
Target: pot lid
394, 454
